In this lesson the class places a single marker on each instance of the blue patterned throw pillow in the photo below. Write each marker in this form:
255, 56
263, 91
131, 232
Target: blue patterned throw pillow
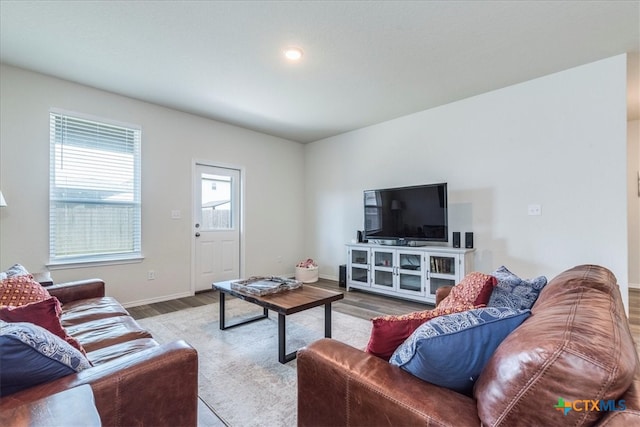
452, 350
512, 291
31, 355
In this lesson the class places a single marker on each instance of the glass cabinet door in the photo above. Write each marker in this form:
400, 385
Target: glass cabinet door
442, 272
359, 266
443, 265
360, 275
360, 256
410, 272
382, 259
437, 282
383, 269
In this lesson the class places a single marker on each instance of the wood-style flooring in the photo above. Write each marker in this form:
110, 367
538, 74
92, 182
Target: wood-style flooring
360, 304
356, 303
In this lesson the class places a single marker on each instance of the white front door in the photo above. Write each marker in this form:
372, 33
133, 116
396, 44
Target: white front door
216, 225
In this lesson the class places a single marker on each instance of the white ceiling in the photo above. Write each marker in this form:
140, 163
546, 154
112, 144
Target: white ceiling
365, 62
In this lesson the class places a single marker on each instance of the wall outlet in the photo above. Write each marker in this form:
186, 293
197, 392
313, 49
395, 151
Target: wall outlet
534, 210
176, 214
151, 275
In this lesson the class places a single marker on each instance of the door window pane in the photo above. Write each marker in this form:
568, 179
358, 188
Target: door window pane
216, 202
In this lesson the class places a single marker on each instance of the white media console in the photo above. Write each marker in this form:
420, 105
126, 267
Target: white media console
410, 272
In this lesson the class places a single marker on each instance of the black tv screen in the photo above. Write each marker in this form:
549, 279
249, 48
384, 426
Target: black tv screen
407, 213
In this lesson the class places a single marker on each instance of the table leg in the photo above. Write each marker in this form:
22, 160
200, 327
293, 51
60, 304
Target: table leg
327, 320
222, 311
223, 325
283, 357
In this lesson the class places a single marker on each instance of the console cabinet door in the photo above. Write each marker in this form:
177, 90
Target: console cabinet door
443, 271
398, 270
410, 272
358, 266
383, 268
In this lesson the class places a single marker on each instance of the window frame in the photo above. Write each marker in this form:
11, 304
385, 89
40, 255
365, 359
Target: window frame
57, 261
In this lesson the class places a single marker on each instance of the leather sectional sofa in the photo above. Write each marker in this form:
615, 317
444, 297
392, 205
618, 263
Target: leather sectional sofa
572, 362
134, 379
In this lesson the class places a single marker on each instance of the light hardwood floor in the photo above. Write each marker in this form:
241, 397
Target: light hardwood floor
356, 303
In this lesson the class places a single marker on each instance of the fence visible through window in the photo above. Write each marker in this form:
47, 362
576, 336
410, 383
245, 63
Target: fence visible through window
216, 202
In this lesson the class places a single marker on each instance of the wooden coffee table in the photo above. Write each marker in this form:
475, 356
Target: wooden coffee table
283, 303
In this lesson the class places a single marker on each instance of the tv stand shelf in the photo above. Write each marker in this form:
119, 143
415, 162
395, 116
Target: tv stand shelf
410, 272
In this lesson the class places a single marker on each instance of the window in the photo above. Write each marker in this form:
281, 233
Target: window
372, 211
94, 190
216, 202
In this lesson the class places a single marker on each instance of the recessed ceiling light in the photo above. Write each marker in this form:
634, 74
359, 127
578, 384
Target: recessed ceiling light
293, 53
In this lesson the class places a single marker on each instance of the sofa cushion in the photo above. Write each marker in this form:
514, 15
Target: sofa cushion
116, 351
575, 346
512, 291
45, 313
21, 290
388, 332
451, 350
102, 333
85, 310
31, 355
474, 289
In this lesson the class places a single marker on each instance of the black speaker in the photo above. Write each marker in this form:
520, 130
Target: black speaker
342, 276
361, 238
456, 239
468, 240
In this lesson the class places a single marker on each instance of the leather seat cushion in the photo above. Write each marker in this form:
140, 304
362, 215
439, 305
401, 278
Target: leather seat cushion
116, 351
86, 310
101, 333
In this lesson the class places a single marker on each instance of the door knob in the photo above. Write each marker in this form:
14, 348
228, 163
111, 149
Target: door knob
197, 234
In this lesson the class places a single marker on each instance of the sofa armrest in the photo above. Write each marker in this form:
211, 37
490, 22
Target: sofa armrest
341, 385
441, 293
81, 289
157, 386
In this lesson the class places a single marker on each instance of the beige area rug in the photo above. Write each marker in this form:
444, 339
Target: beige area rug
240, 377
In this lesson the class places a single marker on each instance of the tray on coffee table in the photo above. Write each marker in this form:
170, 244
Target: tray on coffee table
265, 285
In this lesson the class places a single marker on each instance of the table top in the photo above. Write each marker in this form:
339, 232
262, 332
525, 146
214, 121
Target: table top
285, 302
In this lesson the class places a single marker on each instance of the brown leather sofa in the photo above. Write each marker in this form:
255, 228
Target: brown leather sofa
576, 346
135, 380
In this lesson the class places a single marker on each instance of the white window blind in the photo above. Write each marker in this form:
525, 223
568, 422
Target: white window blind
94, 190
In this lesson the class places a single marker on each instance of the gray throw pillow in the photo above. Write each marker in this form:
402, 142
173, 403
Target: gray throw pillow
514, 292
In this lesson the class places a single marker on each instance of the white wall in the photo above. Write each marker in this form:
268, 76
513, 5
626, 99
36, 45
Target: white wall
170, 142
633, 169
559, 141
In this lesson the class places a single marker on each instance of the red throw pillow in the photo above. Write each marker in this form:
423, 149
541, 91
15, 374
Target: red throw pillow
20, 290
45, 313
475, 289
388, 332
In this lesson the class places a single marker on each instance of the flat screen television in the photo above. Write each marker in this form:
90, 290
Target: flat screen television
417, 213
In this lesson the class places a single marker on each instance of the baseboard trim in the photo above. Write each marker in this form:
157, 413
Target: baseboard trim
327, 277
157, 299
634, 285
